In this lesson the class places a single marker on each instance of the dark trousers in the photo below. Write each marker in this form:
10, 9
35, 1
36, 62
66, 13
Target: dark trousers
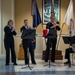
50, 43
28, 47
9, 46
67, 53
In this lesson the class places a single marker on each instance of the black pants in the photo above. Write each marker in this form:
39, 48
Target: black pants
9, 46
50, 43
27, 45
67, 53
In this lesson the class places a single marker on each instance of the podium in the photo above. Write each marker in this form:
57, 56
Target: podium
28, 34
69, 40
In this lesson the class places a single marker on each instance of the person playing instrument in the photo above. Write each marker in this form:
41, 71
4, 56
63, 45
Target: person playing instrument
67, 53
9, 42
27, 43
51, 42
72, 49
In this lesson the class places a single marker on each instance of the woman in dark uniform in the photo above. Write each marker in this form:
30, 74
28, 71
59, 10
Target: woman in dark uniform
9, 42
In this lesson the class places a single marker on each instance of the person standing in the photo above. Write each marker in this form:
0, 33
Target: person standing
9, 42
27, 44
51, 41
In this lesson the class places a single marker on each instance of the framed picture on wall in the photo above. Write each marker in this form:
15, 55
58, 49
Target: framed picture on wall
47, 5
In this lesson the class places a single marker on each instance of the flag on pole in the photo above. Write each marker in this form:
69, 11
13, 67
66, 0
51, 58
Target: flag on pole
36, 18
68, 20
35, 14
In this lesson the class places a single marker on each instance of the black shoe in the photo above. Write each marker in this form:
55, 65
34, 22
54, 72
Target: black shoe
34, 62
66, 63
15, 64
46, 60
69, 64
53, 61
26, 63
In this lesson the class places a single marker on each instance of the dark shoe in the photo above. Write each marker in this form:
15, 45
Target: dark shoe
34, 62
69, 64
66, 63
46, 60
15, 64
26, 63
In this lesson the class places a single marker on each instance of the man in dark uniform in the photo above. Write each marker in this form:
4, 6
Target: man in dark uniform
9, 42
27, 43
51, 41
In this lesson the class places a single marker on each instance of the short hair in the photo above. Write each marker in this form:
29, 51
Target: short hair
25, 20
9, 21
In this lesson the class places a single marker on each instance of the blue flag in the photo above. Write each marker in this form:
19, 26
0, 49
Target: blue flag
36, 18
35, 14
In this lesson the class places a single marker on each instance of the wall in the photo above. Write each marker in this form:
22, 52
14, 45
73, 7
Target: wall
6, 14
